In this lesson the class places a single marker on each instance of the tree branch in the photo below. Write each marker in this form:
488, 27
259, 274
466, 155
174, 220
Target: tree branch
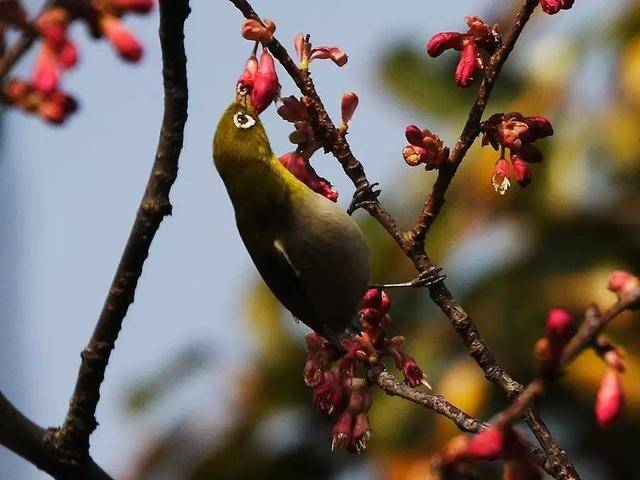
560, 466
36, 445
393, 387
80, 420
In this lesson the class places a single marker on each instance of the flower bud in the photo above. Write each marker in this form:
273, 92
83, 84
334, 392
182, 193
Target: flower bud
444, 41
45, 77
470, 63
125, 43
136, 6
558, 325
248, 74
348, 106
487, 445
414, 155
624, 284
341, 434
521, 170
265, 85
254, 30
610, 399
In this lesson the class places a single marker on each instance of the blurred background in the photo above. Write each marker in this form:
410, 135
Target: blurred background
205, 382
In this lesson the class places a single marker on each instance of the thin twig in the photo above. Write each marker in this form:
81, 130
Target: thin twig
80, 420
392, 386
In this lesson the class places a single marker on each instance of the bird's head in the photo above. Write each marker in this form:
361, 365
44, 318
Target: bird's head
240, 134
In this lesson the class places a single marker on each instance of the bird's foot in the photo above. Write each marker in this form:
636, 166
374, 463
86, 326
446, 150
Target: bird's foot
364, 197
427, 278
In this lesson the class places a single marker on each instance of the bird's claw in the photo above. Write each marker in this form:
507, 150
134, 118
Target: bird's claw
364, 197
429, 277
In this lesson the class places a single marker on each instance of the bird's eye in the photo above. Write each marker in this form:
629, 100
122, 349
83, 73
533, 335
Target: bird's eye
242, 120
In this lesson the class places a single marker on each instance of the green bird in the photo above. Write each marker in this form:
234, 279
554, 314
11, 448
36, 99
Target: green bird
309, 252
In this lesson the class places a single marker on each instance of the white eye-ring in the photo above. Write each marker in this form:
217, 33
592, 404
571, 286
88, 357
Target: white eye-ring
242, 120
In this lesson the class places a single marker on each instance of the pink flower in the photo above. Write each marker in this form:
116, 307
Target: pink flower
125, 43
413, 375
249, 72
479, 40
489, 444
377, 299
335, 54
329, 395
319, 357
67, 55
299, 166
341, 434
610, 399
45, 76
266, 87
500, 176
426, 147
52, 25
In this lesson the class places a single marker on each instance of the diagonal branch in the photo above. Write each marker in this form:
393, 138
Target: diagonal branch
80, 420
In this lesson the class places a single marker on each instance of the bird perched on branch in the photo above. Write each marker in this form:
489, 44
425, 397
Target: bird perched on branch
310, 253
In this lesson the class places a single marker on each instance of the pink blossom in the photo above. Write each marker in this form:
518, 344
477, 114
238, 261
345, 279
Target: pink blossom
348, 106
489, 444
45, 76
335, 54
266, 87
125, 43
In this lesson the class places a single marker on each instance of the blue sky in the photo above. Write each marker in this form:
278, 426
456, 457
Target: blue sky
72, 193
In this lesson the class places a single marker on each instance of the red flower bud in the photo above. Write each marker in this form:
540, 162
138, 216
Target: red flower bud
52, 112
303, 171
486, 445
377, 299
45, 75
610, 399
125, 43
328, 395
341, 434
414, 155
265, 84
554, 6
67, 55
521, 171
558, 324
470, 63
444, 41
414, 135
539, 127
136, 6
249, 72
348, 106
335, 54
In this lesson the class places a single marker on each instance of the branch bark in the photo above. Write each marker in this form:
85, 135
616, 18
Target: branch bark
80, 420
36, 445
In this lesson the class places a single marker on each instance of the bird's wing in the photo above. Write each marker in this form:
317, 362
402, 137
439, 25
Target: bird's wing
283, 280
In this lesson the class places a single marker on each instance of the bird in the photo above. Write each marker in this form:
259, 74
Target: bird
308, 250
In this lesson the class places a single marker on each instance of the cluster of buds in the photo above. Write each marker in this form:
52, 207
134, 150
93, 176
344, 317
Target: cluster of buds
332, 374
306, 52
479, 42
554, 6
299, 166
515, 132
53, 107
493, 443
260, 80
558, 331
58, 52
425, 148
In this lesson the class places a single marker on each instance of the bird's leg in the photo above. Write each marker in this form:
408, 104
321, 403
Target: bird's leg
425, 279
364, 196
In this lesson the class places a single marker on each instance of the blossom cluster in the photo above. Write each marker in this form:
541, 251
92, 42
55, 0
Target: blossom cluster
516, 133
57, 52
425, 147
332, 374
